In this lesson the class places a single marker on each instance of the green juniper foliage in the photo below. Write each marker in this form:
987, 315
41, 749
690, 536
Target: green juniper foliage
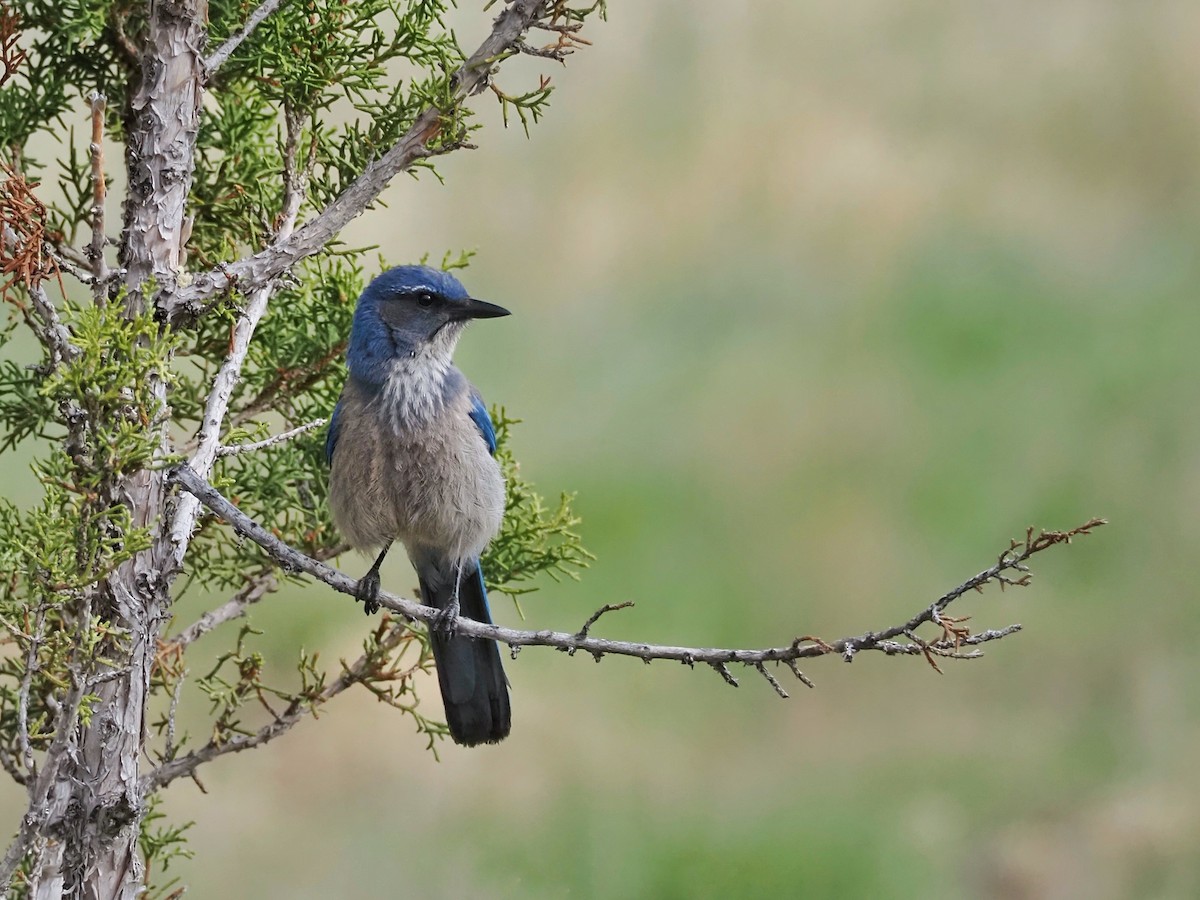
319, 90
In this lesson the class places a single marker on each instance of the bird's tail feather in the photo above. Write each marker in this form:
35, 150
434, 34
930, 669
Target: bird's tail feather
474, 689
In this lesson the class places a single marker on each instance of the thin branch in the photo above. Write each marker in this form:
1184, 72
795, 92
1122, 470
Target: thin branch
800, 676
71, 261
253, 273
59, 252
558, 53
771, 680
50, 330
298, 709
222, 53
234, 449
95, 249
1010, 560
256, 588
169, 745
295, 181
31, 665
595, 617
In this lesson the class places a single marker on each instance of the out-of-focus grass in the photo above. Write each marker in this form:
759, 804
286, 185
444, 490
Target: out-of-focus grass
815, 308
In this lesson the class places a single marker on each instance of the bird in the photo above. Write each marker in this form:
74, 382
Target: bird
411, 450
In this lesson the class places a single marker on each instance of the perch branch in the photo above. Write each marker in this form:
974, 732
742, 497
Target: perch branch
1011, 560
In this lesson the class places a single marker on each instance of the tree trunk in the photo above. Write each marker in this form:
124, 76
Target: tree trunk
90, 847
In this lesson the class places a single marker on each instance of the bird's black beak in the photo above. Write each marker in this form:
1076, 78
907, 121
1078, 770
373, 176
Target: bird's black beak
480, 309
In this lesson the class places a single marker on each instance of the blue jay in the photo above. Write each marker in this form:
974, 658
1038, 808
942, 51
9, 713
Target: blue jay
411, 453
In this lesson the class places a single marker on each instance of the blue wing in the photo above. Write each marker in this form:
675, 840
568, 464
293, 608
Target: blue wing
479, 415
331, 437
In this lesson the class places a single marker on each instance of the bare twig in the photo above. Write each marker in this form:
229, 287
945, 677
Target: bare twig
595, 617
50, 330
253, 273
223, 52
1013, 559
800, 676
771, 680
256, 588
557, 52
72, 262
389, 637
95, 249
295, 181
169, 746
234, 449
31, 665
722, 670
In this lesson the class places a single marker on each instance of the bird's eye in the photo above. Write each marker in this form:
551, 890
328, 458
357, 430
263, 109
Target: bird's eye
424, 299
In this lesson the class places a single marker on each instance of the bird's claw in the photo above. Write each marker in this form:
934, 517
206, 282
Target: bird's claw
367, 591
446, 621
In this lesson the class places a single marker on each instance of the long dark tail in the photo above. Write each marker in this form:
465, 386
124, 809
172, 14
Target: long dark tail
474, 689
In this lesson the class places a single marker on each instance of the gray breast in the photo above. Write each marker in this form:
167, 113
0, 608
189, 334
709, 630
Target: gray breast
432, 485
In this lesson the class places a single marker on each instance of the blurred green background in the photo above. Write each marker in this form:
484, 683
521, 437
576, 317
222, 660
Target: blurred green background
815, 307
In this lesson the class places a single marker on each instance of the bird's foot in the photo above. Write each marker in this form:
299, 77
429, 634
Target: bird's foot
367, 590
446, 621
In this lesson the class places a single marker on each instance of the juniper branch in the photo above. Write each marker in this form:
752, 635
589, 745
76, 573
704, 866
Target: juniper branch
257, 586
297, 709
252, 446
222, 53
252, 273
50, 330
295, 180
95, 248
1011, 560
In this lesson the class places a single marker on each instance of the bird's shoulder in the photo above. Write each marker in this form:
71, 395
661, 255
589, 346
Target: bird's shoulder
479, 415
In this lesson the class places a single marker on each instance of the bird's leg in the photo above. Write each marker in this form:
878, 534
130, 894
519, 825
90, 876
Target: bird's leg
447, 617
367, 589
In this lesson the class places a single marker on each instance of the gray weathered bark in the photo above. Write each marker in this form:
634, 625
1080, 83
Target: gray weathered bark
96, 803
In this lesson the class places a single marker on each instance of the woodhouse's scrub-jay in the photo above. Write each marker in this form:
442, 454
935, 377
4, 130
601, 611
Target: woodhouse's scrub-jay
410, 449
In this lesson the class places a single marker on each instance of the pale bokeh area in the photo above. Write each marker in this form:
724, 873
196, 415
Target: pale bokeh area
815, 306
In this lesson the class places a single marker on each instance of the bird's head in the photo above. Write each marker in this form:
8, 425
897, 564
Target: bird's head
411, 310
